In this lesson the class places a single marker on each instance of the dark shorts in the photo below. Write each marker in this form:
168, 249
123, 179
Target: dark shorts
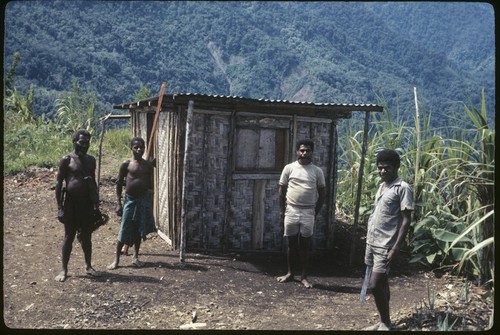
78, 213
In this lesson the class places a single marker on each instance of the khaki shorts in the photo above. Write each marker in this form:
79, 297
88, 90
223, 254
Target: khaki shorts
377, 258
299, 220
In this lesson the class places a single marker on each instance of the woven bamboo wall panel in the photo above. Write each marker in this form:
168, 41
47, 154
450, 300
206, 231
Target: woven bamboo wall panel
241, 216
142, 128
206, 180
273, 237
239, 230
167, 167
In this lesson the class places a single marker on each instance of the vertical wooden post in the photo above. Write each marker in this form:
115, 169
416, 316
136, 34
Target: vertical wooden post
101, 140
417, 156
229, 181
259, 195
358, 195
187, 151
332, 182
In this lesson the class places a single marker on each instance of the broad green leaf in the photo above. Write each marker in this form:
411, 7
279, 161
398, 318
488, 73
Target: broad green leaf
447, 236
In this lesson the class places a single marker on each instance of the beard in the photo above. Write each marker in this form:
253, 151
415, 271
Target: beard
304, 160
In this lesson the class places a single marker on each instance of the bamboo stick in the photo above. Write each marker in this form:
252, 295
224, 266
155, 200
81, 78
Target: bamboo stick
417, 156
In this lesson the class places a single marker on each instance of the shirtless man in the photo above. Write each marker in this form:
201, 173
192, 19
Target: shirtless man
77, 211
301, 196
136, 174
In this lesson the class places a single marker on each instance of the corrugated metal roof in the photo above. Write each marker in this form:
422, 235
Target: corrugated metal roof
276, 101
208, 98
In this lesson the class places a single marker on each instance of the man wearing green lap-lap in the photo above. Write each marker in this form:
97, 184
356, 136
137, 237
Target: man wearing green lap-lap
136, 174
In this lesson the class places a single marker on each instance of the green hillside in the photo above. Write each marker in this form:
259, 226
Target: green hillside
345, 52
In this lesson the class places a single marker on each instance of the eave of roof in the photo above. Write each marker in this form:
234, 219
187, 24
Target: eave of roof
236, 102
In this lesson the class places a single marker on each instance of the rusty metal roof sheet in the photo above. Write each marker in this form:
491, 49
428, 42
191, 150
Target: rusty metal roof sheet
232, 101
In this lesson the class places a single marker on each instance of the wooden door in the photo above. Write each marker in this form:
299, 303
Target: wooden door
260, 153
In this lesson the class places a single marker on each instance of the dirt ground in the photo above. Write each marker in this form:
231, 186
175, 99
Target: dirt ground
206, 291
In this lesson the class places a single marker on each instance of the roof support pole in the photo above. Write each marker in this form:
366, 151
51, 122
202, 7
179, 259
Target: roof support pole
360, 182
229, 181
332, 187
187, 154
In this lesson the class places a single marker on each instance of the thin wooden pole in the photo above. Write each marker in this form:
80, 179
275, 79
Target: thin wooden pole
179, 129
417, 156
187, 151
155, 122
332, 181
358, 195
229, 181
103, 129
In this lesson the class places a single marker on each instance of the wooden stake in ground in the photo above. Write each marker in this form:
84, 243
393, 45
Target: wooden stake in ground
417, 155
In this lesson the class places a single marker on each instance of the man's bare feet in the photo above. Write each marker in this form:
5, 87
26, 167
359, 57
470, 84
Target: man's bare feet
373, 327
137, 263
91, 272
306, 283
286, 278
62, 276
113, 265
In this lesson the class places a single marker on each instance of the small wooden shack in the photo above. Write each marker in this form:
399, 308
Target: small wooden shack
219, 160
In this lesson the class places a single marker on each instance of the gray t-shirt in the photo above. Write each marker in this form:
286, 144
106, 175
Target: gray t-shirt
385, 220
303, 182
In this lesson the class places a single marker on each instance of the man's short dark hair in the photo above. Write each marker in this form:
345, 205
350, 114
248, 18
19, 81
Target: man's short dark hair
140, 139
307, 142
76, 134
389, 156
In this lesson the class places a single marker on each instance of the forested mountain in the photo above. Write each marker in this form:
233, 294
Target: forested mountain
342, 52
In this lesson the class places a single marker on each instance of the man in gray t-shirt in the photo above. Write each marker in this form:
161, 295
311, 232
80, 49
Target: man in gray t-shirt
301, 195
387, 228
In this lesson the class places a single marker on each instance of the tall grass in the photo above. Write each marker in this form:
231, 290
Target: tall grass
453, 222
37, 141
42, 143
